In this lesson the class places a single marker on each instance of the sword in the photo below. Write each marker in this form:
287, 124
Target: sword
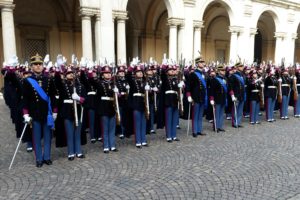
214, 114
18, 146
188, 126
235, 113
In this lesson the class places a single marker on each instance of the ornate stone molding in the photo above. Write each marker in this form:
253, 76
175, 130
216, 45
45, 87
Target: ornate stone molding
235, 29
294, 36
7, 6
279, 3
253, 31
175, 22
198, 24
87, 11
248, 10
120, 14
280, 35
189, 3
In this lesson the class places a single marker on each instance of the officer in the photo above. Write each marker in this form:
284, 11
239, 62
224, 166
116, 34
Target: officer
296, 87
218, 97
286, 89
197, 93
238, 95
39, 103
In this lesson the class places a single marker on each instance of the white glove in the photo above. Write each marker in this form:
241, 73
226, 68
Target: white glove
54, 115
262, 85
127, 87
75, 97
27, 119
181, 84
147, 87
212, 102
190, 100
279, 80
155, 89
233, 98
116, 90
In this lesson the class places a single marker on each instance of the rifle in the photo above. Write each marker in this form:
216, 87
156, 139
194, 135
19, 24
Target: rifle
147, 113
116, 100
180, 78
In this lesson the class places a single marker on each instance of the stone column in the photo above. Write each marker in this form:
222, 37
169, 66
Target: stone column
197, 38
172, 39
121, 35
279, 49
8, 31
290, 55
253, 32
98, 37
180, 41
87, 47
233, 43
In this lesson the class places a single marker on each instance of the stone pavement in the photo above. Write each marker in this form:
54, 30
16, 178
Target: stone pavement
254, 162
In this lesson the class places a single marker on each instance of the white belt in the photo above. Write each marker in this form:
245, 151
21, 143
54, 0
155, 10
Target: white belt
123, 93
107, 98
298, 84
254, 90
170, 92
285, 85
56, 96
91, 93
68, 101
271, 86
138, 95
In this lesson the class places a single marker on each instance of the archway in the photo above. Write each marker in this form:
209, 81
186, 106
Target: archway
147, 31
216, 38
266, 29
47, 27
297, 46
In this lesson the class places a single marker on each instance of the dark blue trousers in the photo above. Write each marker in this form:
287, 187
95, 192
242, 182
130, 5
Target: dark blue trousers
40, 129
171, 120
73, 137
108, 128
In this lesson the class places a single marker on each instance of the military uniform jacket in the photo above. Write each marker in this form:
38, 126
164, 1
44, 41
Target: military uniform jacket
236, 87
90, 101
121, 83
254, 90
195, 87
152, 81
136, 98
286, 85
34, 105
298, 81
217, 91
271, 84
104, 97
66, 89
170, 90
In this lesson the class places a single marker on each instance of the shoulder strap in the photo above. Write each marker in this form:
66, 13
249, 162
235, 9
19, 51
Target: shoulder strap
39, 89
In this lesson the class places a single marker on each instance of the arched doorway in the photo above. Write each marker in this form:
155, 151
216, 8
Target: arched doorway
216, 38
147, 31
264, 40
297, 46
47, 27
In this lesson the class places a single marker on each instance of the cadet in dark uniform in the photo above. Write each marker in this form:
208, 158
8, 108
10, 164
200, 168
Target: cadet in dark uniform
254, 86
218, 96
106, 108
286, 89
71, 91
39, 110
271, 84
296, 90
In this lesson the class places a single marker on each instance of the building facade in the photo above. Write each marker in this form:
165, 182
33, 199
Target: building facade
118, 30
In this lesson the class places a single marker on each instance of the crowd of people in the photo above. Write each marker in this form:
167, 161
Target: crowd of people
85, 101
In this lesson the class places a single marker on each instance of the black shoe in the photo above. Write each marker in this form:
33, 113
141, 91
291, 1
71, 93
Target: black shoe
29, 149
222, 130
176, 139
139, 147
105, 151
240, 126
169, 141
39, 164
121, 137
115, 150
178, 127
201, 133
47, 162
80, 156
93, 141
195, 134
145, 145
71, 158
234, 126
